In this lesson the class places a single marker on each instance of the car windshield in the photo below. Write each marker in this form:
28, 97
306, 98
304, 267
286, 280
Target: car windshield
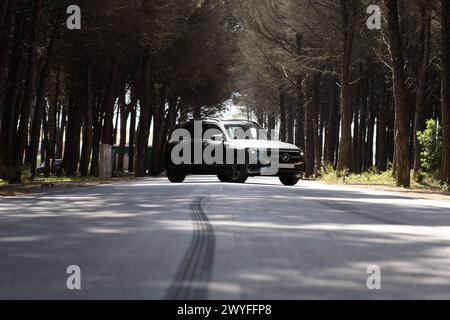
250, 131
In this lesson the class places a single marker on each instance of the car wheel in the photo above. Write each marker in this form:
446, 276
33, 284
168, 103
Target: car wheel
289, 180
175, 175
223, 178
237, 174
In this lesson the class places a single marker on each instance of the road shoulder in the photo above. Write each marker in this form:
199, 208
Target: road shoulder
413, 193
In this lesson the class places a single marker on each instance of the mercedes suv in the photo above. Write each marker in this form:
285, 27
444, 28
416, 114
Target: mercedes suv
233, 150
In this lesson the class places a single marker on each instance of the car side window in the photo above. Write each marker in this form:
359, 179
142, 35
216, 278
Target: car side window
190, 128
210, 130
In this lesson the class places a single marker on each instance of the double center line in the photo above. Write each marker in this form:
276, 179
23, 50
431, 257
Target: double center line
193, 275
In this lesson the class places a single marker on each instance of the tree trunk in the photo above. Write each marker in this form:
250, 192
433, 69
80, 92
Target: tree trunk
5, 11
9, 119
30, 87
362, 136
371, 125
419, 116
300, 116
108, 107
183, 111
401, 158
52, 126
282, 136
117, 114
310, 133
317, 126
169, 123
355, 142
88, 115
45, 147
260, 115
132, 136
360, 154
124, 114
331, 127
72, 144
158, 129
445, 89
382, 126
98, 118
39, 110
290, 124
300, 111
61, 133
391, 133
145, 117
39, 113
7, 8
349, 12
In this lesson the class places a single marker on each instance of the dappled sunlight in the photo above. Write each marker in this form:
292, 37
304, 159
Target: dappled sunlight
270, 241
400, 202
432, 233
23, 239
180, 225
106, 230
222, 287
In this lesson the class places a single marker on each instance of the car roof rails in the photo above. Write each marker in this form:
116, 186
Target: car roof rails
237, 120
240, 120
204, 119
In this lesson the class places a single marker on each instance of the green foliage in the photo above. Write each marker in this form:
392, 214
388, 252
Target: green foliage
328, 174
15, 175
431, 181
373, 176
431, 142
25, 174
66, 179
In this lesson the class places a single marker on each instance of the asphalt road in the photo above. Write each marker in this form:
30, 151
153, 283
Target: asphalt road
150, 239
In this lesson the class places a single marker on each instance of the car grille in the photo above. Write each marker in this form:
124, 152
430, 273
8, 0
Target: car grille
290, 156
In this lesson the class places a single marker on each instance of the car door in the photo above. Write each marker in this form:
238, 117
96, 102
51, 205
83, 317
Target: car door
213, 148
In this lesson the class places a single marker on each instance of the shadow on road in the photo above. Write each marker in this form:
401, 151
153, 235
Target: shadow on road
272, 241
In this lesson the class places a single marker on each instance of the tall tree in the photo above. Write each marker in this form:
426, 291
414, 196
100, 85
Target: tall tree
145, 116
30, 88
401, 159
445, 88
349, 16
424, 57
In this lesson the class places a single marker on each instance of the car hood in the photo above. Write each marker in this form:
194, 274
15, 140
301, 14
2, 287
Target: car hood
262, 144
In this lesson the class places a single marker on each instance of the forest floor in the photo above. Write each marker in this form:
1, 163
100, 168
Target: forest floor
429, 188
414, 192
43, 184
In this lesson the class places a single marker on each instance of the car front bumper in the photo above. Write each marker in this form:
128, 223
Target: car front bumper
296, 169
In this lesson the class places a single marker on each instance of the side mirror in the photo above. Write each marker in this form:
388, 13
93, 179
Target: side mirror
218, 137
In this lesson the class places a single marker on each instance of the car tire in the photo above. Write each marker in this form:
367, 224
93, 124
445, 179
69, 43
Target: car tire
175, 175
223, 178
237, 174
289, 180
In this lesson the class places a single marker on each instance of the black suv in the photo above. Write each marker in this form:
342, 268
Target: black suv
233, 150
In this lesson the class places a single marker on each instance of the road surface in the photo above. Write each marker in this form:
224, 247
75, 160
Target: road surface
149, 239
